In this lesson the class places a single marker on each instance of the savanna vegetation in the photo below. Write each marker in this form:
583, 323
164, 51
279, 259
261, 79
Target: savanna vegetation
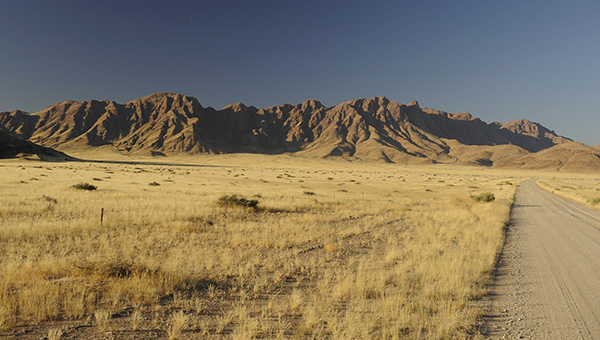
247, 248
582, 188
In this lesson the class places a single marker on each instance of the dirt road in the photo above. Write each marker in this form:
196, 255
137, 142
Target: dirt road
548, 282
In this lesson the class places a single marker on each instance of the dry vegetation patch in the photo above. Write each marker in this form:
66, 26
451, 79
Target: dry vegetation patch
582, 188
484, 197
248, 250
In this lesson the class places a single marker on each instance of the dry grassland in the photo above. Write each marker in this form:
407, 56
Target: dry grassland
335, 250
582, 188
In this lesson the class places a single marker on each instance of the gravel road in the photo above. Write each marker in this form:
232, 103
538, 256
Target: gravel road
548, 281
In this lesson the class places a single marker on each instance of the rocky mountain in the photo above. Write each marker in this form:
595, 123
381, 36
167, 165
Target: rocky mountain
366, 129
11, 146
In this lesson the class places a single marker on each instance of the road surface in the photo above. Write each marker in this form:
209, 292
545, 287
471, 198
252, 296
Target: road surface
548, 280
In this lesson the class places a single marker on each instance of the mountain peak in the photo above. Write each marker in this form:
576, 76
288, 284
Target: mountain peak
239, 106
462, 116
154, 96
414, 103
367, 103
162, 95
312, 103
168, 99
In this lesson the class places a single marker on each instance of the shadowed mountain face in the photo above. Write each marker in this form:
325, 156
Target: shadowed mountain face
368, 129
11, 146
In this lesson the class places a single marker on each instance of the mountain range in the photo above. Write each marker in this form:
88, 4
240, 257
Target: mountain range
374, 129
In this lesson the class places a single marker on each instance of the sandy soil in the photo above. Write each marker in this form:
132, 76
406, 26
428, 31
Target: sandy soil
548, 281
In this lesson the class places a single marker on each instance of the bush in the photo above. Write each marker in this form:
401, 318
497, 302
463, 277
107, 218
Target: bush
236, 201
484, 197
84, 186
594, 201
153, 184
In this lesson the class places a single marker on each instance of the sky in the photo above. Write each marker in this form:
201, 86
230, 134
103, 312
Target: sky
498, 60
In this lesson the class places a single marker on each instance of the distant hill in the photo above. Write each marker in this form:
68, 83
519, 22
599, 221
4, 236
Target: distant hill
570, 156
11, 147
374, 129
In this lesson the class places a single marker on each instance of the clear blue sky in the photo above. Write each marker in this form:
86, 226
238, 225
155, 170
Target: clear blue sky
499, 60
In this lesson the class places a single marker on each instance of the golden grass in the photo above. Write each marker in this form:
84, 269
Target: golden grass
136, 319
582, 188
55, 334
102, 317
374, 252
178, 323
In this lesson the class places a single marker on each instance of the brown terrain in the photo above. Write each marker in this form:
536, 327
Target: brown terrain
571, 156
375, 129
11, 147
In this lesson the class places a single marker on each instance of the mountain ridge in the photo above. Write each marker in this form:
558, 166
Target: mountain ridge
373, 129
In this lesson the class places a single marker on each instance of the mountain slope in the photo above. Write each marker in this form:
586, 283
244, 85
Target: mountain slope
531, 136
11, 147
367, 129
571, 156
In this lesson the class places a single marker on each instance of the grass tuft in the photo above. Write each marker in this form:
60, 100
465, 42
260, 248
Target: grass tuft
178, 323
102, 319
55, 334
136, 318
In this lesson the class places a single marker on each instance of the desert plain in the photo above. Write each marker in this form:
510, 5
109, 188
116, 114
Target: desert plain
330, 249
334, 249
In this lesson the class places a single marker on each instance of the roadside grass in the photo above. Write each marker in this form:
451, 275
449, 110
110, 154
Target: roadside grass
594, 201
582, 188
403, 254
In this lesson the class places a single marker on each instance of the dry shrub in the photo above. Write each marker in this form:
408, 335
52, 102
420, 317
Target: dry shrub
484, 197
594, 201
114, 268
237, 201
84, 186
49, 199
